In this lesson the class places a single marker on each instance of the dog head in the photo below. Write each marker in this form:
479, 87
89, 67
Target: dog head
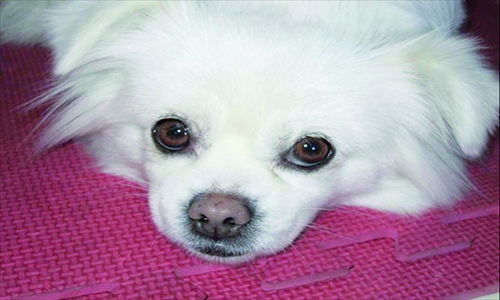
245, 128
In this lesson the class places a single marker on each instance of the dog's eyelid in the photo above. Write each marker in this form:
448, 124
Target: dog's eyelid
291, 158
179, 117
190, 126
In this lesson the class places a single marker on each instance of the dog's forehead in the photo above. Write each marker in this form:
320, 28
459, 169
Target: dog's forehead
245, 105
257, 88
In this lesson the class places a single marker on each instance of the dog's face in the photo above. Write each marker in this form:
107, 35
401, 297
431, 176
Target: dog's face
244, 140
246, 128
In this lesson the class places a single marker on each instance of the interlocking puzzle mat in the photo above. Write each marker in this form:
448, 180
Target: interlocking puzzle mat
68, 231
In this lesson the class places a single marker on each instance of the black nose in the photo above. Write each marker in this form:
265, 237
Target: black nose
218, 216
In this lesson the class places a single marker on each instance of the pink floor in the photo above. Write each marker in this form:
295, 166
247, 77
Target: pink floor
68, 231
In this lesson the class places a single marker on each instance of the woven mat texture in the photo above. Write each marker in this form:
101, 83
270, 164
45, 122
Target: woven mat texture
68, 231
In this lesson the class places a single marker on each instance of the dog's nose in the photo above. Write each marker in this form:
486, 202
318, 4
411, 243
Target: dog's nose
218, 216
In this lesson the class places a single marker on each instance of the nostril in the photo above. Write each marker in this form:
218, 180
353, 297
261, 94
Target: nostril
230, 221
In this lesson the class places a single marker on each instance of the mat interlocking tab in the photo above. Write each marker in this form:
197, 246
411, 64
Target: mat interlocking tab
67, 231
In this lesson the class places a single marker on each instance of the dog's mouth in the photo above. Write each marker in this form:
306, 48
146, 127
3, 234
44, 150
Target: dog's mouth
234, 249
219, 252
229, 248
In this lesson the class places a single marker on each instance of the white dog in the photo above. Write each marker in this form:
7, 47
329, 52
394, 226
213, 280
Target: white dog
246, 118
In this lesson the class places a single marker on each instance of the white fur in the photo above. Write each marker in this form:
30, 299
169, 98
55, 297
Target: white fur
402, 97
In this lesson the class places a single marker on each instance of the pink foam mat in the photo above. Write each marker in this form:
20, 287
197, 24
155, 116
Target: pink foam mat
68, 231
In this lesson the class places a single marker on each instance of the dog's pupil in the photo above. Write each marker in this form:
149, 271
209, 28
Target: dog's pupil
178, 133
310, 148
175, 132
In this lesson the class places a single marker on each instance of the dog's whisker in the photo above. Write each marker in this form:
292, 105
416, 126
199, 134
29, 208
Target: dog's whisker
135, 182
124, 184
321, 229
303, 257
355, 211
318, 226
332, 232
126, 196
318, 209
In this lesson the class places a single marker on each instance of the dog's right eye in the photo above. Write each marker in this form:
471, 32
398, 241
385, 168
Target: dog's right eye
310, 152
171, 135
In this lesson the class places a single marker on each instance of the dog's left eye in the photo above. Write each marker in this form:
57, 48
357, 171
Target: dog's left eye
310, 152
171, 135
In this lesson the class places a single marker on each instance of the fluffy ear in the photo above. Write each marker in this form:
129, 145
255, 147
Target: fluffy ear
81, 103
76, 30
74, 34
462, 88
22, 21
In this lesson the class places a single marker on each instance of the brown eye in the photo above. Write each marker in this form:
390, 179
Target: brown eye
310, 152
171, 134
